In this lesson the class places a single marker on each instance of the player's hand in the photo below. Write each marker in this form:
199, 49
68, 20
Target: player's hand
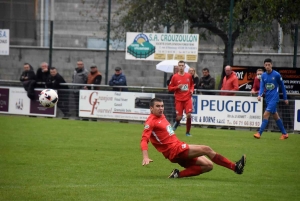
286, 102
146, 161
258, 98
180, 86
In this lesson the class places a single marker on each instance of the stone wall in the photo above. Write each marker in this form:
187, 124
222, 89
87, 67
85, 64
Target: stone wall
138, 73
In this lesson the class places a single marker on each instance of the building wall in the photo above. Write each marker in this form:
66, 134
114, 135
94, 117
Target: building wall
138, 73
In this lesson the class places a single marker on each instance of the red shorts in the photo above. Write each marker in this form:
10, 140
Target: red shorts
187, 106
179, 154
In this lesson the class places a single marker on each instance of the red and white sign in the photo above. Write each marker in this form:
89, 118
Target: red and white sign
114, 105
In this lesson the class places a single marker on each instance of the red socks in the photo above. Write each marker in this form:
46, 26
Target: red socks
191, 171
188, 124
220, 160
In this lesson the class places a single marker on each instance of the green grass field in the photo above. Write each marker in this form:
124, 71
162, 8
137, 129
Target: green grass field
54, 159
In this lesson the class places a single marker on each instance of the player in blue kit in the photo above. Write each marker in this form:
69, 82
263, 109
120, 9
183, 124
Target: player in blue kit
270, 82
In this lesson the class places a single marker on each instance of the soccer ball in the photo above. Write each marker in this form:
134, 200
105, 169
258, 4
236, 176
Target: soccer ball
48, 98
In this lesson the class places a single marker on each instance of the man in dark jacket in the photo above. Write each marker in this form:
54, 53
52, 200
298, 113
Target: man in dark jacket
207, 82
53, 82
118, 79
42, 74
28, 80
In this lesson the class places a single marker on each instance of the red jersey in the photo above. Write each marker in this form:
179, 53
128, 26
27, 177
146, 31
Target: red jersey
185, 92
160, 133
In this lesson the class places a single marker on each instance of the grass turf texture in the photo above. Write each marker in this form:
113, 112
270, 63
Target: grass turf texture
54, 159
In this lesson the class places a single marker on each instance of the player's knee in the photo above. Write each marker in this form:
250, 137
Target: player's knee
207, 167
188, 115
178, 117
210, 167
206, 149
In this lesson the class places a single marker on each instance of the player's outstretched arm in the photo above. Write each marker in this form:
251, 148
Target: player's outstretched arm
146, 159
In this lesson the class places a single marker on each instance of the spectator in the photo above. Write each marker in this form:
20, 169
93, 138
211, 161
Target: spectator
94, 77
175, 70
42, 74
28, 80
79, 77
256, 85
118, 79
230, 82
207, 82
53, 81
195, 77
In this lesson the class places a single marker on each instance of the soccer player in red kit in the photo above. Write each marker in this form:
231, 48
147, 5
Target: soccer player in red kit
158, 130
183, 87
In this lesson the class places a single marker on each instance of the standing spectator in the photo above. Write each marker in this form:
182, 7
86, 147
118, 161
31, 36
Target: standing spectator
195, 77
28, 80
207, 82
230, 82
175, 70
183, 87
53, 82
94, 77
118, 79
79, 77
256, 85
270, 82
42, 74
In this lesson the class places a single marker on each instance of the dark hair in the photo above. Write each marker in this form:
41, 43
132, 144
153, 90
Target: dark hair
52, 68
260, 70
268, 60
205, 69
181, 61
155, 100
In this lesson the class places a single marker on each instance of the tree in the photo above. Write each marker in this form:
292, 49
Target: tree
251, 18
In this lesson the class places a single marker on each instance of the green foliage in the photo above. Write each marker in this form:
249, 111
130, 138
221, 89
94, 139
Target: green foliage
54, 159
252, 20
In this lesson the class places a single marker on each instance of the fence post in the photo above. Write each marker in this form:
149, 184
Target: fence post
295, 45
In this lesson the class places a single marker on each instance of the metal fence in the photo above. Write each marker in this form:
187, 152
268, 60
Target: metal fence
68, 104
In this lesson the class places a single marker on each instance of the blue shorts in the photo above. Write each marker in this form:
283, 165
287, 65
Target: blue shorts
272, 107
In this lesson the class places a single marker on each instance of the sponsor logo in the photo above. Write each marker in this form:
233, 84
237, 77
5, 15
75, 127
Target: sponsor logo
270, 86
170, 130
141, 47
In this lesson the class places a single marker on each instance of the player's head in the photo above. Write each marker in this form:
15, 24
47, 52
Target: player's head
181, 66
268, 65
259, 72
157, 106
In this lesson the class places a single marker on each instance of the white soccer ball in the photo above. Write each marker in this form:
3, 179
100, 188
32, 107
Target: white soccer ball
48, 98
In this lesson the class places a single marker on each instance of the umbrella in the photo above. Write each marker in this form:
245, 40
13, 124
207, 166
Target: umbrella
168, 66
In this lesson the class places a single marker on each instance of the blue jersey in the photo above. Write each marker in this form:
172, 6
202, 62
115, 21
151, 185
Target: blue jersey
269, 84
